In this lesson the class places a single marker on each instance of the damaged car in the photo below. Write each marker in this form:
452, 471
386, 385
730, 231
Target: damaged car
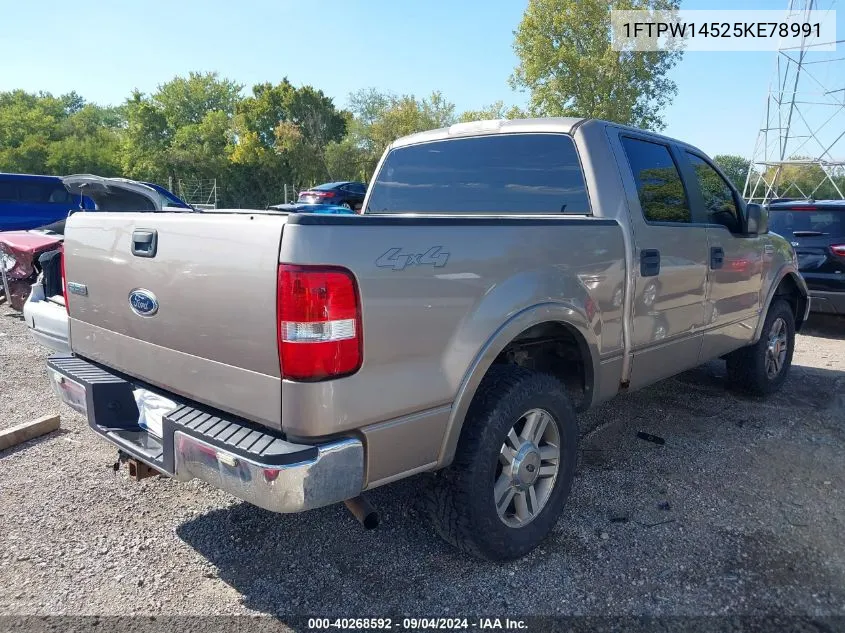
36, 279
19, 256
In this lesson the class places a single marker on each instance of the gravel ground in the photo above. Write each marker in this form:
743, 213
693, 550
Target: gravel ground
742, 511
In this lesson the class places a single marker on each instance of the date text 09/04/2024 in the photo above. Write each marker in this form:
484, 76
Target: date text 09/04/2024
416, 624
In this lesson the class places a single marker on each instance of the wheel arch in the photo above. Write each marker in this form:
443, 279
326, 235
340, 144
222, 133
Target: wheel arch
555, 315
790, 286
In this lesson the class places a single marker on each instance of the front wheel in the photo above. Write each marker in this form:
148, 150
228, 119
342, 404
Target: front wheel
513, 468
761, 369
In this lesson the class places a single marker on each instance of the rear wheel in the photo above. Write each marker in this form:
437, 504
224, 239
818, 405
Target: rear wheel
513, 468
761, 368
346, 205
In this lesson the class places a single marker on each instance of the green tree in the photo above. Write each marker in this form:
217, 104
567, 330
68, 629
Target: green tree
182, 130
186, 100
312, 124
146, 140
496, 110
345, 160
567, 65
735, 168
799, 180
29, 122
281, 136
40, 133
381, 118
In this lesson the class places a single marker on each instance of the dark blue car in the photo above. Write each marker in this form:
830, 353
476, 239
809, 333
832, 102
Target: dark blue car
345, 193
27, 202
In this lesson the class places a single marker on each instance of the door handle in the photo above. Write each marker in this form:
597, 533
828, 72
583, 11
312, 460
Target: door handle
717, 257
144, 242
649, 262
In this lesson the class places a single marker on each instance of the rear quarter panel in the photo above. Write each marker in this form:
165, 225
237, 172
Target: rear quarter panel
425, 325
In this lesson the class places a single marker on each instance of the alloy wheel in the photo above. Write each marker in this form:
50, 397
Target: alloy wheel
529, 462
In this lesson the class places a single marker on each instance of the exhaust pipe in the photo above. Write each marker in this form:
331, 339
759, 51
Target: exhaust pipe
363, 511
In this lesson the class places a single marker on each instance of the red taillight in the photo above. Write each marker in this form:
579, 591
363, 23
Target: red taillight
319, 316
838, 249
802, 208
323, 194
64, 279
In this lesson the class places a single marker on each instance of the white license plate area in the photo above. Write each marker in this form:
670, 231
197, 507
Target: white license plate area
70, 392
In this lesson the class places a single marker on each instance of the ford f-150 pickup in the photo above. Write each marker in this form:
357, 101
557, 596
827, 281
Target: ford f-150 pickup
502, 276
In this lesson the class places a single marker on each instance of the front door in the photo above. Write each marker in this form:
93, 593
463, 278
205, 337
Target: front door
735, 260
671, 260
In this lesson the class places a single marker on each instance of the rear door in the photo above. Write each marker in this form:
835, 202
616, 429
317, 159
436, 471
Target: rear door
184, 301
671, 260
735, 266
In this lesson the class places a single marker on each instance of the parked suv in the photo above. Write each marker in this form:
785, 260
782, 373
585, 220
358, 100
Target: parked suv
816, 230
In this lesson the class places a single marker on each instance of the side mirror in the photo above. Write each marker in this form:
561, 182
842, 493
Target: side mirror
758, 219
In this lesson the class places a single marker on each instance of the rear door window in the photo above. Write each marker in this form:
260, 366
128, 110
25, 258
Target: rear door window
659, 185
506, 173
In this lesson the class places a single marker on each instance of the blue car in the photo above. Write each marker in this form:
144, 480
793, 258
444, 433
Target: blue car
28, 202
298, 207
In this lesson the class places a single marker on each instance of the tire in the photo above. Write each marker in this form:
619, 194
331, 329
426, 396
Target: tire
460, 501
346, 205
750, 369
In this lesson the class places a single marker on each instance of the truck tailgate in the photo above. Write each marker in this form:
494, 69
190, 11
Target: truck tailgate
203, 323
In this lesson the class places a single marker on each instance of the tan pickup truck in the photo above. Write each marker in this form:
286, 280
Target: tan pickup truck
502, 276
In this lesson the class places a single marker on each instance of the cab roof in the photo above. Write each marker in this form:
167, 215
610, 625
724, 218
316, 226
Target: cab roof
547, 125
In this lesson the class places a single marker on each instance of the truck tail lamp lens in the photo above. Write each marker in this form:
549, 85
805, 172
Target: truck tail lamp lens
319, 315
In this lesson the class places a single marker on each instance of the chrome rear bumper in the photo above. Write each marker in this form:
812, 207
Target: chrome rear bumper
246, 460
335, 474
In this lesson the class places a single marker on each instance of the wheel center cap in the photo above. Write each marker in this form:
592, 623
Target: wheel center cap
526, 466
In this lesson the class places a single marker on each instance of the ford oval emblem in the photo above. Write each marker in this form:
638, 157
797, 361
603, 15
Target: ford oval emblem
143, 302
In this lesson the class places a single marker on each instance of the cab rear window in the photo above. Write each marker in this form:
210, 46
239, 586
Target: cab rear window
506, 173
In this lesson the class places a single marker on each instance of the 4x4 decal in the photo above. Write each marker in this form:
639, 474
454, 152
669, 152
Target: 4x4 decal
397, 260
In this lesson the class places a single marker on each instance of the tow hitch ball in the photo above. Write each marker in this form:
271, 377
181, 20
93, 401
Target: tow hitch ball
138, 470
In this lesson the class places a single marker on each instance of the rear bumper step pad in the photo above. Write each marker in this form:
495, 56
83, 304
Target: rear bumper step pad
233, 454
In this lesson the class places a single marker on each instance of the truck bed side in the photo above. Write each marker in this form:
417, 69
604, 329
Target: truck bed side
437, 292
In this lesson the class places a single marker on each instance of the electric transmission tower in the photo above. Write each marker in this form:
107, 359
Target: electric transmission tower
800, 150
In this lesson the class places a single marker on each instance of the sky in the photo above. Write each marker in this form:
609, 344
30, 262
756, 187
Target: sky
105, 49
